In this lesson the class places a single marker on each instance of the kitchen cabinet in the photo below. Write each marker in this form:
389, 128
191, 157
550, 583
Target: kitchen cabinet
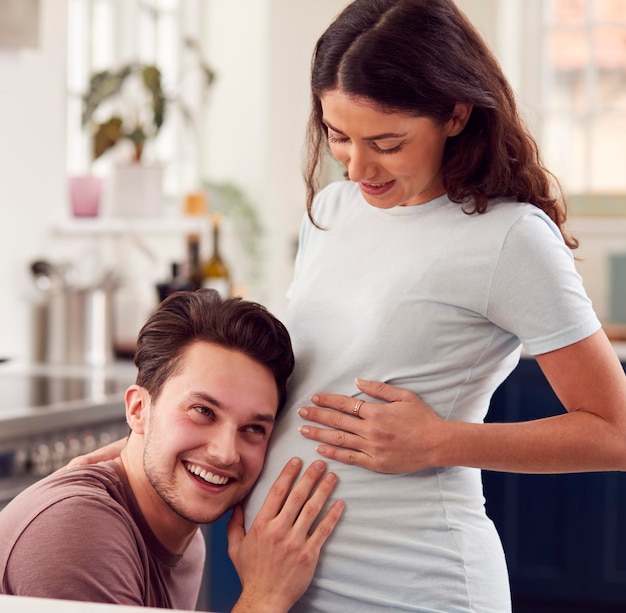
563, 536
221, 586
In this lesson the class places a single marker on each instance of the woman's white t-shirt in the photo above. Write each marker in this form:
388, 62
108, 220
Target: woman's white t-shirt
440, 302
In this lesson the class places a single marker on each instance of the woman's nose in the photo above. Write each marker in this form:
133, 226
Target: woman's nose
359, 165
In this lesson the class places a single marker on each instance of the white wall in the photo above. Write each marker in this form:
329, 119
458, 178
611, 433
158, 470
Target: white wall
32, 98
258, 115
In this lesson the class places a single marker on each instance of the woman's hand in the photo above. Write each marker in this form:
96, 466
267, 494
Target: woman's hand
276, 559
397, 437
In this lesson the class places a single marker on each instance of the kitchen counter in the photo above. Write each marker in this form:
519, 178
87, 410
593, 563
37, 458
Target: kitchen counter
36, 398
51, 414
20, 604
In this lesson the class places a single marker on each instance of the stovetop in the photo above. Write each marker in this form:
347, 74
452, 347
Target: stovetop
37, 399
24, 390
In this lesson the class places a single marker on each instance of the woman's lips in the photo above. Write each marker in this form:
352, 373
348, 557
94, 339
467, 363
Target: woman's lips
376, 189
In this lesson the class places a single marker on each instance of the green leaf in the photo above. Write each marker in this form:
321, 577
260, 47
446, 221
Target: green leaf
102, 86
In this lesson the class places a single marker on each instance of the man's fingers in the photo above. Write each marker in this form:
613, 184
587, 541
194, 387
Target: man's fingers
300, 497
298, 503
324, 529
311, 510
279, 491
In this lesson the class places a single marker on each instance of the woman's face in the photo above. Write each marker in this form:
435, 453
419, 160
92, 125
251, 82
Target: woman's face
394, 157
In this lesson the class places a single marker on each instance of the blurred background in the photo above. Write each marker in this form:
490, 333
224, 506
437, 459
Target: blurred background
197, 117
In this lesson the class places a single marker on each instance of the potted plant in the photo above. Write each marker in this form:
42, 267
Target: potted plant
128, 105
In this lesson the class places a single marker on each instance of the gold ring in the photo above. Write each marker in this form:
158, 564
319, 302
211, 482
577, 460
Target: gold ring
357, 407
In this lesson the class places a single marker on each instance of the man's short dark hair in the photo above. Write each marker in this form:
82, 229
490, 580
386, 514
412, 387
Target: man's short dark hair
187, 317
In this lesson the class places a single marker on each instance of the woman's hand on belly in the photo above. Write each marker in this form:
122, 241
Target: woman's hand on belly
398, 436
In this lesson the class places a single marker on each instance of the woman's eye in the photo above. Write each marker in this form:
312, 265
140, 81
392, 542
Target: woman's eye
336, 139
385, 150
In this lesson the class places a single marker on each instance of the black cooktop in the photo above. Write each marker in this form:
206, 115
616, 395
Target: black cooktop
26, 390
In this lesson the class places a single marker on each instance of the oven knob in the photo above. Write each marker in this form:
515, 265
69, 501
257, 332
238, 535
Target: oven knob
73, 448
59, 455
89, 443
105, 438
21, 463
42, 460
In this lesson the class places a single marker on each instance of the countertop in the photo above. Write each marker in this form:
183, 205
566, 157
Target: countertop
36, 398
21, 604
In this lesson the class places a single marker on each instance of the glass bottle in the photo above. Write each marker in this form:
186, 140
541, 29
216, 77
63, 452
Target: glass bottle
216, 272
195, 275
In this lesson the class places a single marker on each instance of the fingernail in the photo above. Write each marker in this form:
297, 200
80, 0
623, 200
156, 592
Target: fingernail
295, 461
319, 465
303, 412
304, 430
315, 398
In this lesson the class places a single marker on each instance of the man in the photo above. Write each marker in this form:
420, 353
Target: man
211, 377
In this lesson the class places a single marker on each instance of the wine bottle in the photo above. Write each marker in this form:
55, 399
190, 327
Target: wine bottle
195, 275
175, 283
216, 272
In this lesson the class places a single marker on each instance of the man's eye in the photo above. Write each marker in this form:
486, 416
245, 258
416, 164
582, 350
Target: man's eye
256, 429
203, 410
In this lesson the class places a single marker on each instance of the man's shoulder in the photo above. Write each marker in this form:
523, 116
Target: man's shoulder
69, 523
66, 492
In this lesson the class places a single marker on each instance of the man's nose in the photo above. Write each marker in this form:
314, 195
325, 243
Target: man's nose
223, 446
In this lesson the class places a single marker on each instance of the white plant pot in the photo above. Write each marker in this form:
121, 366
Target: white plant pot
136, 190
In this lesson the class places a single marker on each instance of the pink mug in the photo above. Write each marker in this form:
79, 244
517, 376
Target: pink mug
85, 195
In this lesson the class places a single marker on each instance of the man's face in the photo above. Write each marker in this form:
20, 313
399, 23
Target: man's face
206, 436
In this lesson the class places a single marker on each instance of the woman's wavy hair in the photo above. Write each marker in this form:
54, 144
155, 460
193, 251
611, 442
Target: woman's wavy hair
184, 318
421, 57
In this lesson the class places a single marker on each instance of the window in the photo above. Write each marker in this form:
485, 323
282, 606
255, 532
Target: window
102, 34
583, 94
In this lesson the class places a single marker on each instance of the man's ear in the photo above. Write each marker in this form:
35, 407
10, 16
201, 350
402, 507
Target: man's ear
459, 119
137, 408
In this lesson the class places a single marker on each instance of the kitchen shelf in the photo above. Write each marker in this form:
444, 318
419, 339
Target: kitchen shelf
133, 225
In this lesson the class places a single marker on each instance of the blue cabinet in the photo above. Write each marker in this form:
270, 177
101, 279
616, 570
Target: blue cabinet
564, 536
221, 587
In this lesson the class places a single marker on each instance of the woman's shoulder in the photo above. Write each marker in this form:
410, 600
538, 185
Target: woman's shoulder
519, 215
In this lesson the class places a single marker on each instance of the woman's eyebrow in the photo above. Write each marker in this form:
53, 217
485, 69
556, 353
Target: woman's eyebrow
375, 137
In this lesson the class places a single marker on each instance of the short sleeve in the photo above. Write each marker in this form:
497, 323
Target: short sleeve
537, 293
78, 549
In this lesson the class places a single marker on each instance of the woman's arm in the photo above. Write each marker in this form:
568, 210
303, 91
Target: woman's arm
405, 435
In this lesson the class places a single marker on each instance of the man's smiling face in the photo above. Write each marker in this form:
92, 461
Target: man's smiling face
206, 436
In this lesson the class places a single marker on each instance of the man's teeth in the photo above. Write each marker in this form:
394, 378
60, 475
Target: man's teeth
209, 477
